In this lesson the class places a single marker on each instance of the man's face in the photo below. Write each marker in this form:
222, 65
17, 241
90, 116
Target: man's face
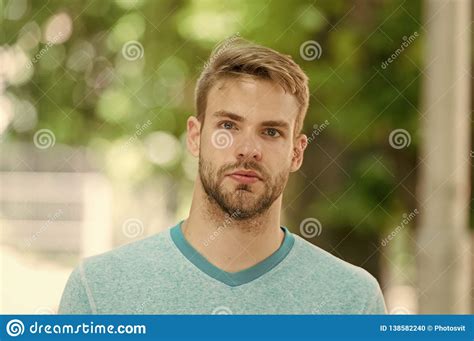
248, 127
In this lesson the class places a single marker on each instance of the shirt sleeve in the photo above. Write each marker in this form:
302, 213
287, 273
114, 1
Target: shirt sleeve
76, 297
376, 302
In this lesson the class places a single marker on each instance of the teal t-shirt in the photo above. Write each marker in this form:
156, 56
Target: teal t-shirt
164, 274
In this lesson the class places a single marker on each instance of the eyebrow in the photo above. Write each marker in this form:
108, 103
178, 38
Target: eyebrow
238, 118
231, 115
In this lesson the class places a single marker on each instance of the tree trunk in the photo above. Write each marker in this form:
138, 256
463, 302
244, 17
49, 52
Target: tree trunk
444, 242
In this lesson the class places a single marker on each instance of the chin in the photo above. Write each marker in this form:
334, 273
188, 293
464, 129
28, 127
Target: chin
246, 209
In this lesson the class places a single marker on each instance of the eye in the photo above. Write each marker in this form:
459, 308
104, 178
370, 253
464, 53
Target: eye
272, 132
227, 124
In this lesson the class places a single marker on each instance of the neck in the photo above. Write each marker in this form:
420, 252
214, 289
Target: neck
230, 244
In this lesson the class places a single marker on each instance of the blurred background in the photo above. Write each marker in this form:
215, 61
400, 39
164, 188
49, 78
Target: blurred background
94, 96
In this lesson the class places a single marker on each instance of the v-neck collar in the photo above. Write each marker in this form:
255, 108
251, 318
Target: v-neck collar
231, 278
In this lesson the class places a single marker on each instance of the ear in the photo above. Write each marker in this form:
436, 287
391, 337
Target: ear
193, 136
301, 142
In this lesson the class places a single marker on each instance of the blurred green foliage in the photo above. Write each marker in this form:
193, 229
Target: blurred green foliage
352, 180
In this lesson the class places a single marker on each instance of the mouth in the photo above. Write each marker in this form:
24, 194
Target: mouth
246, 177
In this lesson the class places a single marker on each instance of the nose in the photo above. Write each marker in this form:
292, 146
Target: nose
247, 148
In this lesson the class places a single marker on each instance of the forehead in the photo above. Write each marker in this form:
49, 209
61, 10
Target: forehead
255, 99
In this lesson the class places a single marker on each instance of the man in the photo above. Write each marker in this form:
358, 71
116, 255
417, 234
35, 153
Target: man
231, 255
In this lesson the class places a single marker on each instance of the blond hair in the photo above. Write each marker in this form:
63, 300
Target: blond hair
238, 57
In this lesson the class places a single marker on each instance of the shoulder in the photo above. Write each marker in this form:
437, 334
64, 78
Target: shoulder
336, 285
100, 278
322, 266
131, 256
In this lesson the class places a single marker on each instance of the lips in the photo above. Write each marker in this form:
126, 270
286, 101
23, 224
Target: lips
250, 174
244, 176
